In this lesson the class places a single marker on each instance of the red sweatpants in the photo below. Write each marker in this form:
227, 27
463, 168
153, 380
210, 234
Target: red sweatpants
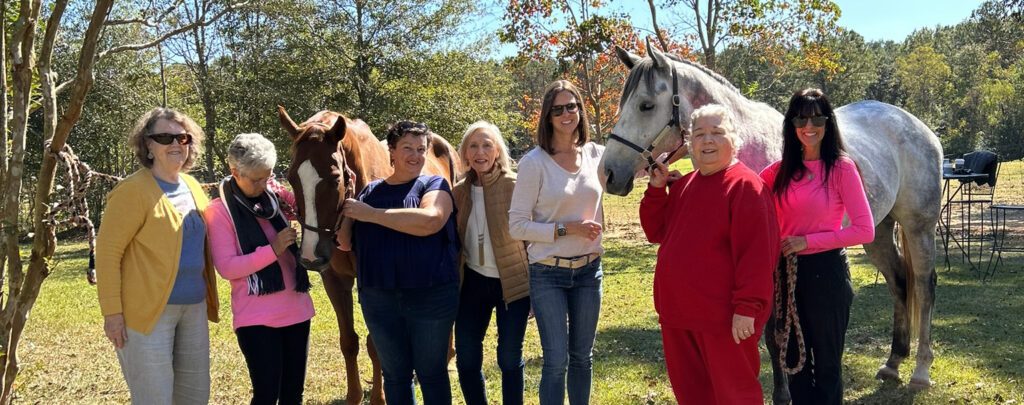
710, 368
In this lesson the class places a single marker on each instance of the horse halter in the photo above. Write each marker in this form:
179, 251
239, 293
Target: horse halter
347, 176
647, 153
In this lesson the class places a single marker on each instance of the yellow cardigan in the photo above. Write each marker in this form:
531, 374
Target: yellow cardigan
138, 248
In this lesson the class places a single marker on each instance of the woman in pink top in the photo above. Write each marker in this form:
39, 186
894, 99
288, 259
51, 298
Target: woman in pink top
254, 248
815, 184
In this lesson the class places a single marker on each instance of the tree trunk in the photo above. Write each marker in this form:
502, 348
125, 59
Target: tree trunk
23, 295
4, 138
657, 31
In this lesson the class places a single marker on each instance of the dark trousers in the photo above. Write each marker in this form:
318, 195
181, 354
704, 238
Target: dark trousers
276, 358
410, 328
480, 297
823, 298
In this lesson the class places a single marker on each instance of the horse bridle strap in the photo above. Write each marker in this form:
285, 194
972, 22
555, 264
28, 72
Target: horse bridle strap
674, 122
347, 177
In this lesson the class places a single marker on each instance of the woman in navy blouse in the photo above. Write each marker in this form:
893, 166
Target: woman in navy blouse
406, 249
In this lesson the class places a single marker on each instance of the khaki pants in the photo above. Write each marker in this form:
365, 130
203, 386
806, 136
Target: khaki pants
171, 365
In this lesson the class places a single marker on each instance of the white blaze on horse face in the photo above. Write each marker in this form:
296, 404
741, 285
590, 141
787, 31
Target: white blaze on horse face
309, 178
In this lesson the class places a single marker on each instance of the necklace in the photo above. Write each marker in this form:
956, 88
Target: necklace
481, 221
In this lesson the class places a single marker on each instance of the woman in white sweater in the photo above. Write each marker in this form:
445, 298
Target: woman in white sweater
556, 209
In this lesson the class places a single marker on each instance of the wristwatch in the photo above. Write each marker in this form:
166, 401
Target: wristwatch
561, 229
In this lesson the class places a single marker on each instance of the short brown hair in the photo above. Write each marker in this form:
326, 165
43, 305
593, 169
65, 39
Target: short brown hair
544, 130
402, 128
144, 126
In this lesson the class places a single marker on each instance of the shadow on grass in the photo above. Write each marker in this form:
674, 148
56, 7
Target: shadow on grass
887, 393
975, 321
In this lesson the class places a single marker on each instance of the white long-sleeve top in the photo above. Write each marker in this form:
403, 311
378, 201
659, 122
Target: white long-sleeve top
546, 194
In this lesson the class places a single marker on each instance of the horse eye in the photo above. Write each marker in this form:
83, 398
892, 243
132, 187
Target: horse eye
646, 106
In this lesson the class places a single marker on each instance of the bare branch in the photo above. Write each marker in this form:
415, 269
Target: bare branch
142, 21
149, 22
179, 30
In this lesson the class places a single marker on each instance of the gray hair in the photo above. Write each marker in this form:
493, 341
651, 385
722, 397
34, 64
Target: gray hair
716, 110
250, 152
503, 162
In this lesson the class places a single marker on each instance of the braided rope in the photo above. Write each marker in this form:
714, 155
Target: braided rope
790, 321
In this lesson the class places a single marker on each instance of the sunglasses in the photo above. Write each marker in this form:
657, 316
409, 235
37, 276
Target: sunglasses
817, 120
557, 110
167, 139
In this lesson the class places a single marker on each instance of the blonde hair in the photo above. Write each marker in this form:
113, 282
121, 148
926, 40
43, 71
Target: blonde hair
503, 162
138, 136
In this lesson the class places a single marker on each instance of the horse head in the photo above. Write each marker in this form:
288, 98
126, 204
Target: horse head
654, 113
320, 179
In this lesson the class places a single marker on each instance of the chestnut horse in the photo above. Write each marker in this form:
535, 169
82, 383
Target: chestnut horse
334, 157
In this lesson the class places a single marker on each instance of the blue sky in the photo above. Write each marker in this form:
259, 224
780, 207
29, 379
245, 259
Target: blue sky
873, 19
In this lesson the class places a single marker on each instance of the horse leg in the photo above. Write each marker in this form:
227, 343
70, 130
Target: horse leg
921, 247
780, 391
339, 289
883, 254
377, 386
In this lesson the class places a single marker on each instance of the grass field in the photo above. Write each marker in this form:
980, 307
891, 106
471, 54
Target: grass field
978, 332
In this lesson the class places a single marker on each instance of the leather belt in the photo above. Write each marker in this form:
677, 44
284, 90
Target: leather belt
569, 262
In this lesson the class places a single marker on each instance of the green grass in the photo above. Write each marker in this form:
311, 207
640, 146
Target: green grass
977, 330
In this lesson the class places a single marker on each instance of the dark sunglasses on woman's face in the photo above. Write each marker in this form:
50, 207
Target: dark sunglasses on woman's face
817, 120
166, 139
557, 110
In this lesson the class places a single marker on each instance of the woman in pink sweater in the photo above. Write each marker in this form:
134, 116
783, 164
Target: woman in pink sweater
815, 184
254, 248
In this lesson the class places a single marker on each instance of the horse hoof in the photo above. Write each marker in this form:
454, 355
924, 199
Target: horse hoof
781, 399
887, 374
354, 398
917, 384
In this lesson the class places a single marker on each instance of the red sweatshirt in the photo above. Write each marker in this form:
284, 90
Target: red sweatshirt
719, 247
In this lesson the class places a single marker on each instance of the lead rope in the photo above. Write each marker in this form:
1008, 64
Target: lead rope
790, 320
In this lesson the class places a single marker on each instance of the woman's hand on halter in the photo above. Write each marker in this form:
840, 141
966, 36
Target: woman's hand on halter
660, 176
358, 210
793, 244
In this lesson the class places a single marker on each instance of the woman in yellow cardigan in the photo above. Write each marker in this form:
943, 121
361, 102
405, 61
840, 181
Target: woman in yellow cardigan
154, 274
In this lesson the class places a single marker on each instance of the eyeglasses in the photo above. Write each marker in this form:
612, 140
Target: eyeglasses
817, 120
166, 139
557, 110
261, 180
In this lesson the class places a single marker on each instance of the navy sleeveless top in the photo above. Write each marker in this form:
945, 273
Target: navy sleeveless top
386, 258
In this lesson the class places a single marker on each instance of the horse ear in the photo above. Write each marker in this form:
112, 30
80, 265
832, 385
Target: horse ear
629, 59
337, 132
287, 123
659, 58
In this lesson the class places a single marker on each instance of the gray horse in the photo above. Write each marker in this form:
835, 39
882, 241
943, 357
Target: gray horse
898, 156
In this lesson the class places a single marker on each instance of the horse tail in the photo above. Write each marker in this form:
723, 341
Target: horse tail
913, 309
443, 148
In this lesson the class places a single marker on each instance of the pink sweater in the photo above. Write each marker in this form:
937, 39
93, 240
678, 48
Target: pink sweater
811, 210
279, 309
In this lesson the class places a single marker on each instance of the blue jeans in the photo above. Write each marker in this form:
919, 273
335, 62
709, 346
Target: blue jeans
410, 327
567, 304
480, 297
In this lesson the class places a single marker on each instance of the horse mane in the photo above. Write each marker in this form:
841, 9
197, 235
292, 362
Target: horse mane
644, 70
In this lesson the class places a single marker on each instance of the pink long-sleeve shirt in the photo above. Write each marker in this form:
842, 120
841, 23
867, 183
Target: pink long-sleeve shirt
283, 308
812, 210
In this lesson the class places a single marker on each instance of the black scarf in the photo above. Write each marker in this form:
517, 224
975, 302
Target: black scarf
244, 211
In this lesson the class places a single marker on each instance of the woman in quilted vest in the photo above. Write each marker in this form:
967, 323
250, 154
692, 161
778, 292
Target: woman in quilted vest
494, 270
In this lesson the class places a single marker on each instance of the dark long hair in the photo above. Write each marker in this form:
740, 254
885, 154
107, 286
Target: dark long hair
545, 131
807, 103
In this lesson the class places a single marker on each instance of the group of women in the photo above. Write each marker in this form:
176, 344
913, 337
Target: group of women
496, 243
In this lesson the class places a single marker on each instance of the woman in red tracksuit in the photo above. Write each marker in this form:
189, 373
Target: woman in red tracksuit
713, 279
